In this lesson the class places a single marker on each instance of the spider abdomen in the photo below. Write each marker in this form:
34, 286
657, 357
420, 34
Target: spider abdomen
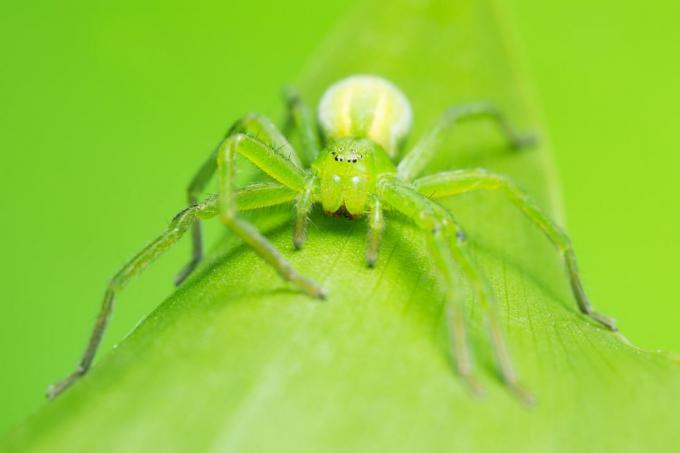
366, 106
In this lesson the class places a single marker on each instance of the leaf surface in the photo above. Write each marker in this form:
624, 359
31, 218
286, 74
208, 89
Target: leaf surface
238, 361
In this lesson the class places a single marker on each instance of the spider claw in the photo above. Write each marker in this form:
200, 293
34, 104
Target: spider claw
371, 259
606, 321
524, 141
522, 394
298, 242
57, 388
186, 272
310, 287
317, 292
473, 386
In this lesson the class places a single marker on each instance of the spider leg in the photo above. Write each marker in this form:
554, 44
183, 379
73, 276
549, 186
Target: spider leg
303, 206
196, 187
272, 163
376, 225
447, 246
426, 148
180, 224
254, 125
438, 245
487, 301
300, 118
461, 181
250, 197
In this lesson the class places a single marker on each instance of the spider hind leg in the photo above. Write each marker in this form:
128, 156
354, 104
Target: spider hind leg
179, 225
457, 182
450, 257
269, 161
253, 125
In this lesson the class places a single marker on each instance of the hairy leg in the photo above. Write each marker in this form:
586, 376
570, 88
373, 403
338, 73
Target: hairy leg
180, 224
376, 225
447, 246
255, 196
277, 167
196, 187
438, 245
303, 206
300, 119
426, 148
253, 125
462, 181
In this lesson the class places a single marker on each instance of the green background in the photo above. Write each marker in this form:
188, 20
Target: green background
109, 108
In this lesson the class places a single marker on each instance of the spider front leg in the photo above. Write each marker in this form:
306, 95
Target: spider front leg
303, 206
253, 125
255, 196
272, 163
196, 187
462, 181
446, 244
300, 119
376, 225
425, 149
180, 224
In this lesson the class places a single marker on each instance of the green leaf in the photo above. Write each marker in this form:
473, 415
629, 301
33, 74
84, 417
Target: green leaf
238, 361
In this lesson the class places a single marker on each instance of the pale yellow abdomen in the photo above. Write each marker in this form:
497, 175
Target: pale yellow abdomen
366, 106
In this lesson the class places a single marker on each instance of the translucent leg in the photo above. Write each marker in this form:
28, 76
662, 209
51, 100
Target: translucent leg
196, 187
455, 298
303, 205
487, 302
462, 181
253, 125
301, 120
376, 225
180, 224
265, 158
428, 146
448, 249
255, 196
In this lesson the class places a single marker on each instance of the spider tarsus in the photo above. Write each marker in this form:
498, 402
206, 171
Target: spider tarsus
311, 288
298, 243
523, 395
321, 294
606, 321
57, 388
474, 387
525, 141
371, 259
184, 273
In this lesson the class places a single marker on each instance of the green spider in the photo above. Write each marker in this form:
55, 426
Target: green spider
363, 121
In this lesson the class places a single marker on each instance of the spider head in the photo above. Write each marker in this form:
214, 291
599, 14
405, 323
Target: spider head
350, 155
347, 170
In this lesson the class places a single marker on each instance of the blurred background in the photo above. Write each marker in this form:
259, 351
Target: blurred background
109, 107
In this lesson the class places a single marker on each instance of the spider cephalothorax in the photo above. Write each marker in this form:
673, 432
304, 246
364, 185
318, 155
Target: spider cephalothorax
363, 122
347, 171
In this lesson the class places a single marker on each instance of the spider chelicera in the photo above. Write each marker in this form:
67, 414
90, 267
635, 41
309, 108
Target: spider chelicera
363, 121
